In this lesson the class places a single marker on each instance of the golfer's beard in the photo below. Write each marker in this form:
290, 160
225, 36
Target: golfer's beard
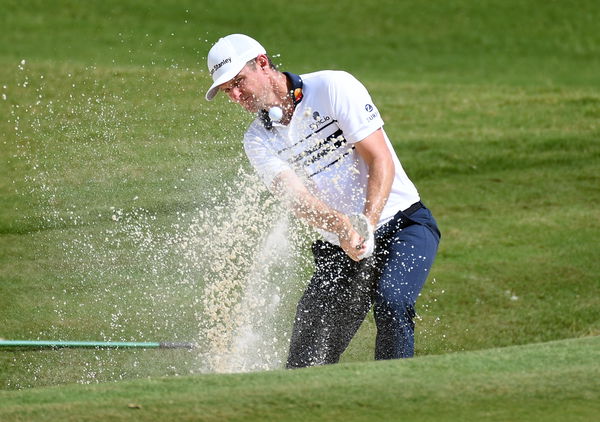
251, 108
254, 103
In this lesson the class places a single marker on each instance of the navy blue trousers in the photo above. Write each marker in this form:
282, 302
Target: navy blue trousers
341, 293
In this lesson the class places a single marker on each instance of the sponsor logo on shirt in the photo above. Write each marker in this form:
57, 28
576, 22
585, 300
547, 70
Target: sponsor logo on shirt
369, 109
319, 120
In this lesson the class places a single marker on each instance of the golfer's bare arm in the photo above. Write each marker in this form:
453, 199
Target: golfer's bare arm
374, 150
308, 207
315, 212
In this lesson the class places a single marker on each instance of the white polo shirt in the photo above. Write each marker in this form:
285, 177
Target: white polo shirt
335, 112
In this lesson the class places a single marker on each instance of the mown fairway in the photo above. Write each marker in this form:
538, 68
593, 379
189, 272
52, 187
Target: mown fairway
122, 189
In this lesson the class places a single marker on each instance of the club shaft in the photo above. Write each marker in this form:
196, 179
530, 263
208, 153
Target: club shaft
93, 344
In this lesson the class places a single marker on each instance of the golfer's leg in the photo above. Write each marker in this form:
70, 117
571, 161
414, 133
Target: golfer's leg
330, 311
350, 307
411, 254
308, 343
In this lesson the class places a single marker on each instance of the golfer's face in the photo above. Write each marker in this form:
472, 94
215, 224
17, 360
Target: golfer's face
247, 88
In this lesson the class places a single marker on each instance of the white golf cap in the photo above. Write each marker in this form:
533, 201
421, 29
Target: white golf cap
227, 58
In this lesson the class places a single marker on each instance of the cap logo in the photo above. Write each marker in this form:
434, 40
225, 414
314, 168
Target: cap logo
220, 65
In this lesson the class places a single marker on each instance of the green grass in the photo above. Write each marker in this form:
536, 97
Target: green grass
551, 382
118, 181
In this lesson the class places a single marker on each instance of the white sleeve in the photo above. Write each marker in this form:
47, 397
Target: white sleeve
353, 107
264, 160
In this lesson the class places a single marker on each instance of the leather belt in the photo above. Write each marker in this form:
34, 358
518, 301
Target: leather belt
414, 207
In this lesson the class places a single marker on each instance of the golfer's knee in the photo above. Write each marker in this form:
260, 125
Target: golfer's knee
395, 314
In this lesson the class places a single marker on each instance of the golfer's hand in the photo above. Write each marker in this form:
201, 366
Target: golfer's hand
353, 245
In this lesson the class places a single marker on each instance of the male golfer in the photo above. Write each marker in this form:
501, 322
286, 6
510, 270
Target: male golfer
318, 141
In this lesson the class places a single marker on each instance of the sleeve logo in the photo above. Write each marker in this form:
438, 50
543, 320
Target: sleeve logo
371, 109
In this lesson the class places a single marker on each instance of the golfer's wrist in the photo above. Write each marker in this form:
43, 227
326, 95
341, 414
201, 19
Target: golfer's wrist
343, 227
372, 215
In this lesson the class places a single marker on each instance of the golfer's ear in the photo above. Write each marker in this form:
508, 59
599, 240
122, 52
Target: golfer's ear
262, 61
